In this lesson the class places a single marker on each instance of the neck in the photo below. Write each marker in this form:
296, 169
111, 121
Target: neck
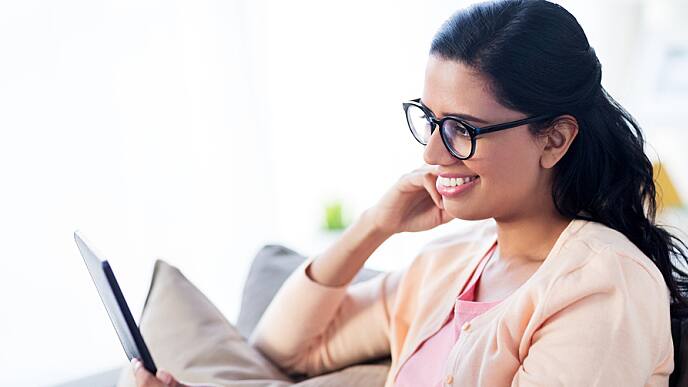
529, 237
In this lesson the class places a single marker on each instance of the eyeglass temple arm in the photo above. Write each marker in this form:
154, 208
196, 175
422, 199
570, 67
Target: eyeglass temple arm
494, 128
507, 125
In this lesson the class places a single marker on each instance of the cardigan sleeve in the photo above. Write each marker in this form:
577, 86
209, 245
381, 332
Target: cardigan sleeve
311, 328
612, 333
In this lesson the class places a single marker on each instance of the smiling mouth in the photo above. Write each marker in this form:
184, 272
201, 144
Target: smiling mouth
455, 182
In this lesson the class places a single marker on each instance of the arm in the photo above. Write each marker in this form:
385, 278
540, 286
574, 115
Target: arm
317, 322
612, 333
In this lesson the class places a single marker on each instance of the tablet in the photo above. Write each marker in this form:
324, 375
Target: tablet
116, 306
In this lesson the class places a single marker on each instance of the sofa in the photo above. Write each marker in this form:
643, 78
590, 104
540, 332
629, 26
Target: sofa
187, 335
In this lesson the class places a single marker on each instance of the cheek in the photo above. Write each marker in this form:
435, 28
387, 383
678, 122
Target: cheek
509, 169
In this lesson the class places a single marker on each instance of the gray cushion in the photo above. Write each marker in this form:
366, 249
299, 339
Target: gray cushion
270, 268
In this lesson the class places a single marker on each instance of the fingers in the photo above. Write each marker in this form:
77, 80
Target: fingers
168, 379
429, 181
146, 379
430, 175
423, 178
143, 377
445, 217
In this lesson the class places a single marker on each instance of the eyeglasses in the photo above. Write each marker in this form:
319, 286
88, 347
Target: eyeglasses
457, 134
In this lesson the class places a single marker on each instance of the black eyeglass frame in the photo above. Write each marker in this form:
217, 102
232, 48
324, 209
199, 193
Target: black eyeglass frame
473, 131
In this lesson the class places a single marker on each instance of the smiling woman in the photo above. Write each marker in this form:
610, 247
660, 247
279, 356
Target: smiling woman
566, 269
528, 138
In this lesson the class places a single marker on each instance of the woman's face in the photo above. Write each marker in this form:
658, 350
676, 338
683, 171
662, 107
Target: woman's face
511, 181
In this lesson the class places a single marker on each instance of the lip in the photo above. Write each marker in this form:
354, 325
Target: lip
455, 175
454, 191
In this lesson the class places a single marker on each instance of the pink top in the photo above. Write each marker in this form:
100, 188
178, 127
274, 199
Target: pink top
428, 362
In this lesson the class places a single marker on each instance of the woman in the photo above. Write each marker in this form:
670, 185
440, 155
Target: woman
564, 280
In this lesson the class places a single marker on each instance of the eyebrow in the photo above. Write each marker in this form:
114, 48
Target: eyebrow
464, 116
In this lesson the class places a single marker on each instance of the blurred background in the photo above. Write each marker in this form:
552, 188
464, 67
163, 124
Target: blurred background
198, 131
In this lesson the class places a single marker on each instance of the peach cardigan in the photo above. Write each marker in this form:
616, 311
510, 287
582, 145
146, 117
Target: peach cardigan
595, 313
427, 365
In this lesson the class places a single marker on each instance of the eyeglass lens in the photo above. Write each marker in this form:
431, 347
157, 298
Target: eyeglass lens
457, 135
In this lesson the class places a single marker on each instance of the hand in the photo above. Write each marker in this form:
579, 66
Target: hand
146, 379
412, 204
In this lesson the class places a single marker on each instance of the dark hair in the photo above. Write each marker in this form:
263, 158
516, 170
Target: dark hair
538, 61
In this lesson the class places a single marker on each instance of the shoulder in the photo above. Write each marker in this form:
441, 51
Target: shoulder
604, 284
609, 252
598, 261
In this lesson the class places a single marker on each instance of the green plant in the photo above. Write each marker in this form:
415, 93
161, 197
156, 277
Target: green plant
334, 216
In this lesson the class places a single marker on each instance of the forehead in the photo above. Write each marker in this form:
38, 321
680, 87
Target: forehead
454, 87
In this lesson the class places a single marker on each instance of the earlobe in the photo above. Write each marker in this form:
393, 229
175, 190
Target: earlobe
548, 160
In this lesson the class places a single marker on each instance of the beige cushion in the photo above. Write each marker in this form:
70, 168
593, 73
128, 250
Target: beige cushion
188, 336
362, 375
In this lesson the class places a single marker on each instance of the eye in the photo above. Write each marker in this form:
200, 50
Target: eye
456, 128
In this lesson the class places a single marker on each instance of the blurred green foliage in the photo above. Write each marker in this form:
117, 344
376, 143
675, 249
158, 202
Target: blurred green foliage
335, 217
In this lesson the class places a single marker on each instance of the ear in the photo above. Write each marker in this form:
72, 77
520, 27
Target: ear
557, 139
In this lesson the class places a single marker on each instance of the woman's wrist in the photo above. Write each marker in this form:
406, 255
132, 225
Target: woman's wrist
340, 262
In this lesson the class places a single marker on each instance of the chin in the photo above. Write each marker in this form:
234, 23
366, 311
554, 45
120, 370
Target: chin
459, 212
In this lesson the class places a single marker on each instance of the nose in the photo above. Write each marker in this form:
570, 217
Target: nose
436, 153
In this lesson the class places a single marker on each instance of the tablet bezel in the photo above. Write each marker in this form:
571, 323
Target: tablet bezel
116, 306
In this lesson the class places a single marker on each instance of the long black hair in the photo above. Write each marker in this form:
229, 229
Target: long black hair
539, 61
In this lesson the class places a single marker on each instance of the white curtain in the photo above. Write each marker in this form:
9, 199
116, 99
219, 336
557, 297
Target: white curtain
139, 123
